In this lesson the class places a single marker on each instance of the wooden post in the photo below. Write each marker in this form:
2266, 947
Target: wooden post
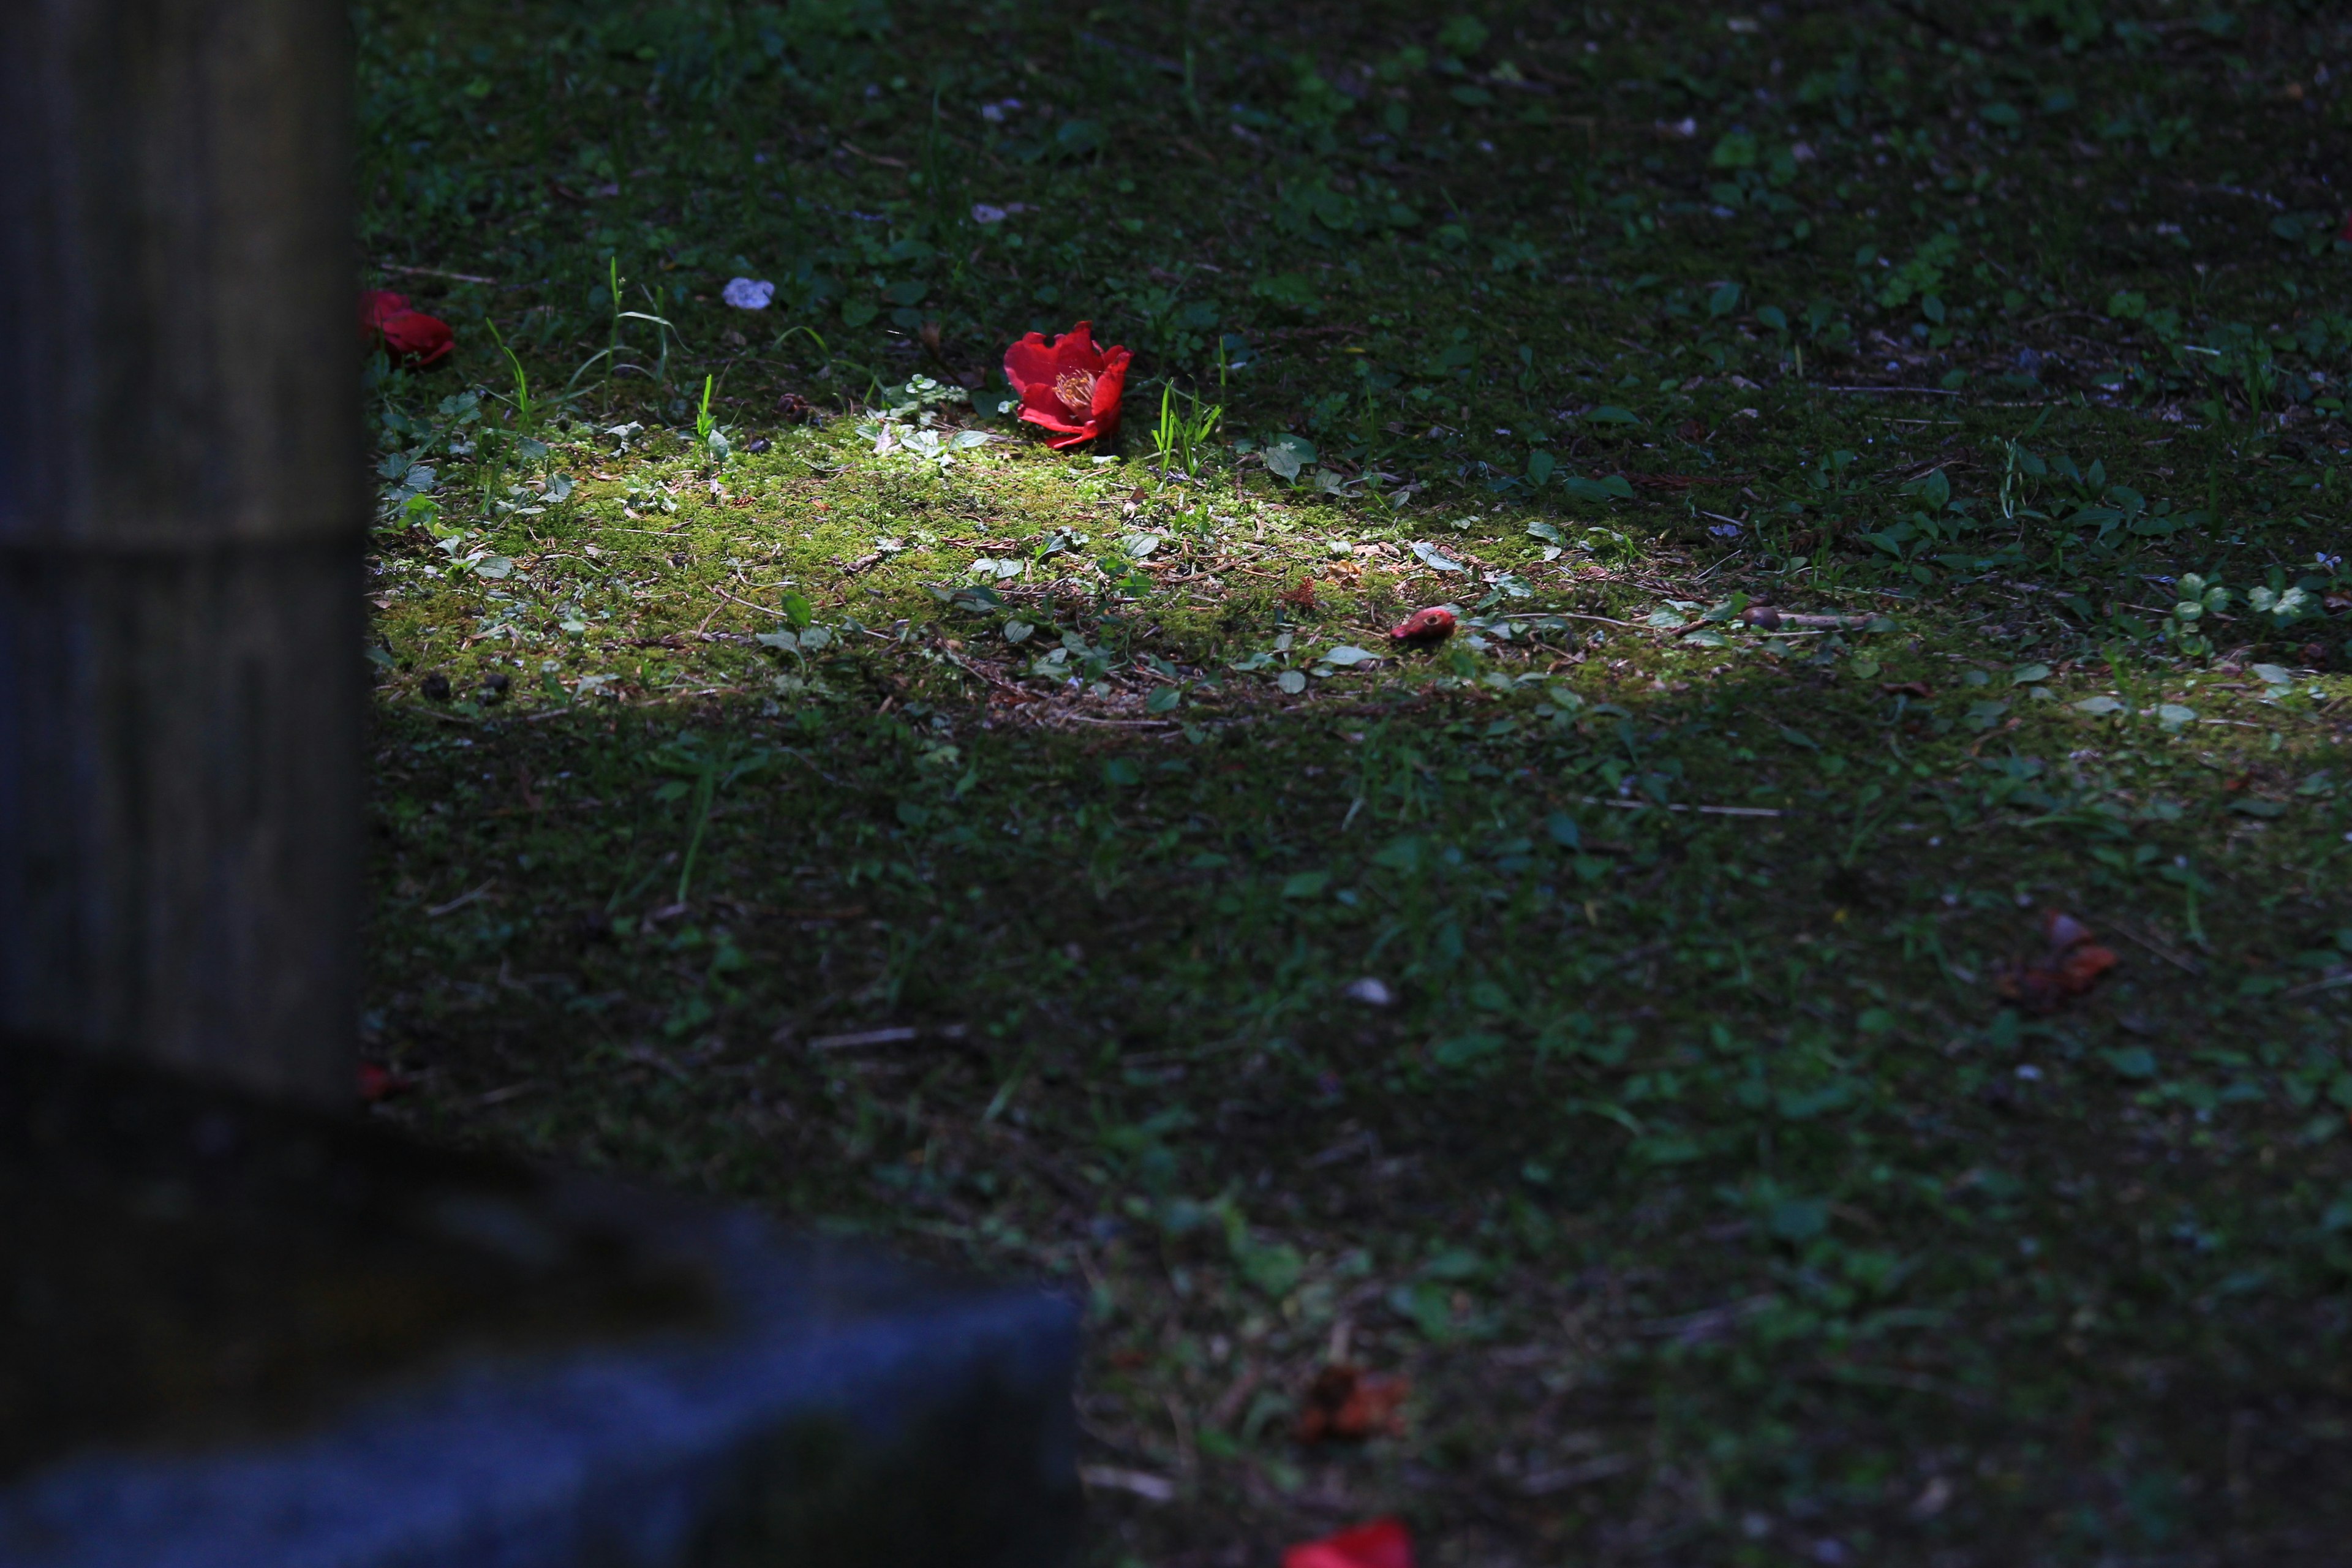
181, 522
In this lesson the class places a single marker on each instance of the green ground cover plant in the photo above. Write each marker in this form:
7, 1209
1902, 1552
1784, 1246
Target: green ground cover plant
1889, 462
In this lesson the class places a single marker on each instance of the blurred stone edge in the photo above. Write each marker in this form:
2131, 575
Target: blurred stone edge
813, 1403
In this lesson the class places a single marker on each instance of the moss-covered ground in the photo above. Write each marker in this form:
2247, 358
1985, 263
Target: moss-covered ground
1633, 1024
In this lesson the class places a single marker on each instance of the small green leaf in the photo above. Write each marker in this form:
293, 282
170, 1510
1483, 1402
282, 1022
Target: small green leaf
1305, 884
1274, 1270
1798, 1219
2136, 1062
1461, 1050
1985, 715
1735, 151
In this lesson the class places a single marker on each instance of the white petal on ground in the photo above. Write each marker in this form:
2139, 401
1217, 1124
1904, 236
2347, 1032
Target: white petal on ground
748, 293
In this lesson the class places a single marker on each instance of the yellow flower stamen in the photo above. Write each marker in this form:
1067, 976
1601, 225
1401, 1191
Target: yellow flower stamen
1076, 388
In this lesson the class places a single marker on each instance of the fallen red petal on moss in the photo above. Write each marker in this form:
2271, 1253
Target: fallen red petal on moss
1069, 386
1424, 628
1382, 1543
1347, 1402
410, 336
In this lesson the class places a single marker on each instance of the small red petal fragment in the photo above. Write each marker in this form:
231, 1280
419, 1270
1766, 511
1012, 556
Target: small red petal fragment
1347, 1402
1424, 628
1382, 1543
378, 1082
2079, 969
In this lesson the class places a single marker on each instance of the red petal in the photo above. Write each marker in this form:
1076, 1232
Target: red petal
377, 1082
2081, 969
1110, 386
1051, 419
418, 339
377, 307
1382, 1543
1075, 350
1040, 405
1028, 363
1433, 625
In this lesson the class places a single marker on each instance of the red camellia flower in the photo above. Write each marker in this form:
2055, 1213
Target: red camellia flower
410, 337
1071, 386
1382, 1543
1424, 628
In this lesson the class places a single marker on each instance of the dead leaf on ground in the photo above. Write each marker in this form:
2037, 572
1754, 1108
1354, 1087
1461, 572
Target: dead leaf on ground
1346, 1403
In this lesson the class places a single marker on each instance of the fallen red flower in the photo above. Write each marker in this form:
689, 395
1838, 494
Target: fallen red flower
376, 306
411, 337
1348, 1402
1071, 386
1382, 1543
1424, 628
2071, 967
